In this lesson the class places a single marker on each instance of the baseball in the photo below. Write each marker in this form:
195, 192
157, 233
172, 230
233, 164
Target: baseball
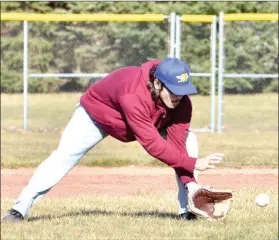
262, 200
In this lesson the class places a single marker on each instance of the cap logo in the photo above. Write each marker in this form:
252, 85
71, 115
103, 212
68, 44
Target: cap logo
183, 77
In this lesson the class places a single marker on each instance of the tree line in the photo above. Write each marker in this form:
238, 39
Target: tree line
90, 47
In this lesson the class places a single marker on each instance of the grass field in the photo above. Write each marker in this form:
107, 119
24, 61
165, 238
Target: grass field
250, 138
241, 112
255, 143
241, 149
143, 216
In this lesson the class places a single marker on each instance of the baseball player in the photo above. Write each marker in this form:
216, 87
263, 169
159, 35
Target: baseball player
149, 104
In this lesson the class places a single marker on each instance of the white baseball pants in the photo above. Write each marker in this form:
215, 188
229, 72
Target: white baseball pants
193, 151
80, 135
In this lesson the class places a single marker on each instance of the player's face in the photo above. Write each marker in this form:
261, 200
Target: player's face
169, 99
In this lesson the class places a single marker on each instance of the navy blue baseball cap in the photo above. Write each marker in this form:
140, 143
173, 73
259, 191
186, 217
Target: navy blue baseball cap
175, 75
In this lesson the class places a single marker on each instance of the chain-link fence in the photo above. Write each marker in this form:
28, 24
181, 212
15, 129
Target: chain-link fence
250, 72
11, 74
67, 56
202, 40
76, 49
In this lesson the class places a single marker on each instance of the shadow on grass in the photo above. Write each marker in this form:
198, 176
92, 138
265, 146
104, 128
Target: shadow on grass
154, 214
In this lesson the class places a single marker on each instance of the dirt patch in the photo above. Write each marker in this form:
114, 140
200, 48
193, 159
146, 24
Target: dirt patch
83, 181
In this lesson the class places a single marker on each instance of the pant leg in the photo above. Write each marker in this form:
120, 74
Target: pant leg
192, 149
80, 135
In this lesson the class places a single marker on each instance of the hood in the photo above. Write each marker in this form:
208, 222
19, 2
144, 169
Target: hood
145, 68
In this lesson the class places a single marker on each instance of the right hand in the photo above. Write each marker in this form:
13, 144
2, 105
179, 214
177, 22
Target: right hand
209, 161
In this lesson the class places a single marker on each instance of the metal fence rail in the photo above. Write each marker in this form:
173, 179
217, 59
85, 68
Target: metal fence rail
208, 19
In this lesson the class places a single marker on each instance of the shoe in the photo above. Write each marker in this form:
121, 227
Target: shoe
188, 216
13, 216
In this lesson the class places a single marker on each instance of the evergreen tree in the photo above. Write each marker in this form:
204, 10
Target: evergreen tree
88, 47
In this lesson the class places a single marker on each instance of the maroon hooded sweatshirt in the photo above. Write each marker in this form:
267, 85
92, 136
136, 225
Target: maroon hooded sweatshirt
122, 105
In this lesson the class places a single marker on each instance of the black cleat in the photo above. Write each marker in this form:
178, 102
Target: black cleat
13, 216
188, 216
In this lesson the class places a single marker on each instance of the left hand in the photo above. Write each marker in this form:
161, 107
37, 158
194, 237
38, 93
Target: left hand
208, 202
209, 161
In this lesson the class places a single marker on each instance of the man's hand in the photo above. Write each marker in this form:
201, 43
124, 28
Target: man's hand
208, 162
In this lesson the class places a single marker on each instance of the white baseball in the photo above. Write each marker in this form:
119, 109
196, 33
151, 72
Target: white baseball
262, 200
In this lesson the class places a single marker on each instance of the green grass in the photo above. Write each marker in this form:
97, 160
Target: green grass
255, 113
241, 112
251, 140
240, 149
48, 111
142, 216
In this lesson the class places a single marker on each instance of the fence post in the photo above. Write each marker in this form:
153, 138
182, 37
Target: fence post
25, 74
220, 71
172, 34
177, 37
213, 72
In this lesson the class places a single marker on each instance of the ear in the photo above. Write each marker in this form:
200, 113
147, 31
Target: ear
157, 84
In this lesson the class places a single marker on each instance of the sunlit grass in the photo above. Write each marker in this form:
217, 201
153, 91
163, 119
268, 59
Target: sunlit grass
250, 137
142, 216
241, 149
258, 112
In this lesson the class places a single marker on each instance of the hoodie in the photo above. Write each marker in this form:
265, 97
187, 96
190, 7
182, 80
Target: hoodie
122, 105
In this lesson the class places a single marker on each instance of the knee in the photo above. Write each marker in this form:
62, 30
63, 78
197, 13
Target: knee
192, 144
191, 137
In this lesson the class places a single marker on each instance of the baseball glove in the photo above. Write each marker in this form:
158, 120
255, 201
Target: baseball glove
208, 202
